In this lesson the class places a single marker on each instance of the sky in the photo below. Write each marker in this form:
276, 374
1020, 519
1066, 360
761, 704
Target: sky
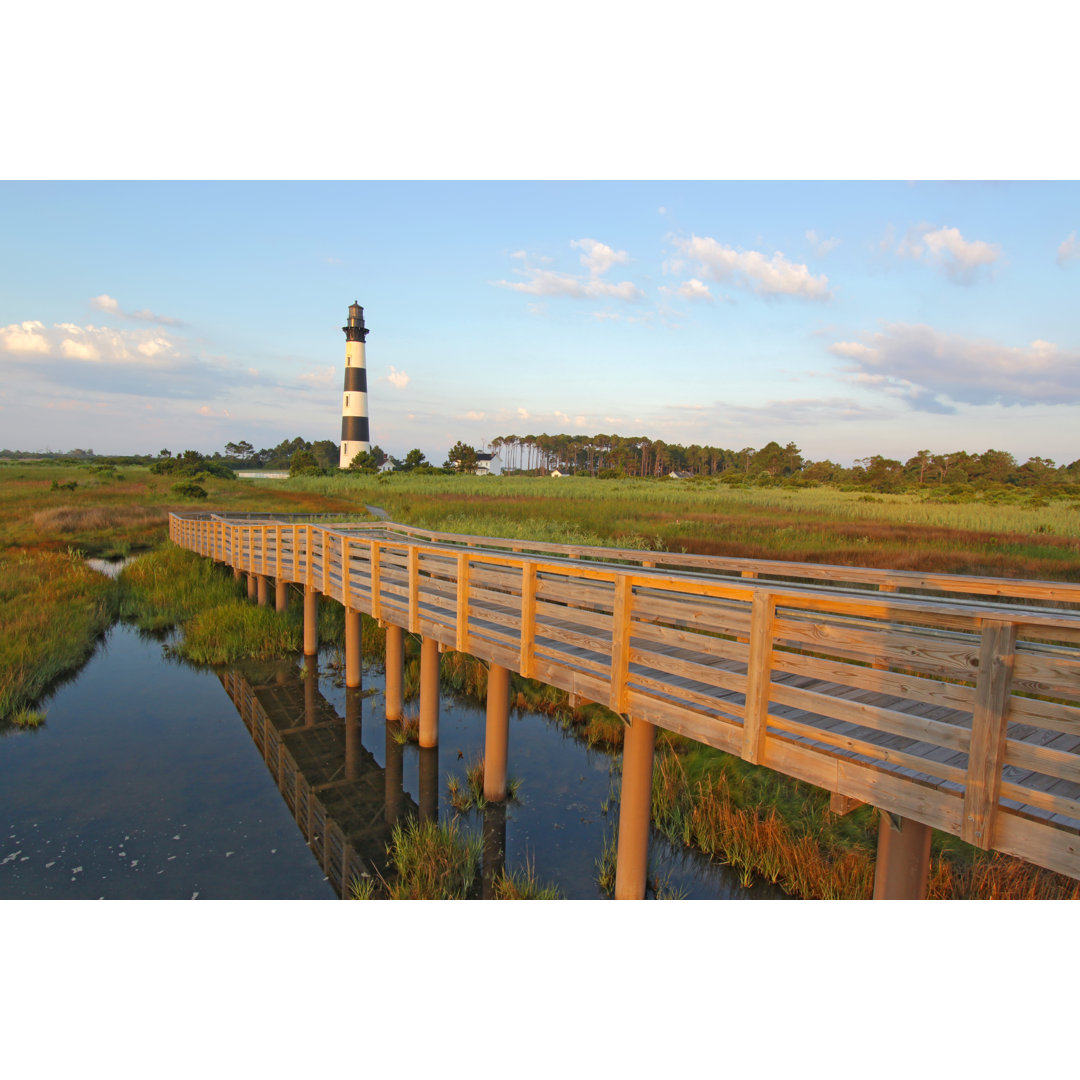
851, 318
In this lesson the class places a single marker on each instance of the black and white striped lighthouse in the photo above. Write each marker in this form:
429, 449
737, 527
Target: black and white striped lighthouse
354, 417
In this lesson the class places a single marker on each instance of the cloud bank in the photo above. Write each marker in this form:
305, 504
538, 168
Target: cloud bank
931, 370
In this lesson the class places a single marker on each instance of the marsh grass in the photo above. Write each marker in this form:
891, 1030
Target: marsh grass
523, 884
471, 794
433, 861
405, 730
53, 611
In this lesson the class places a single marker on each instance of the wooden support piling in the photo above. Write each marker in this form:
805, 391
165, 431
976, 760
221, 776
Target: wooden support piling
353, 643
903, 859
496, 732
429, 692
635, 800
311, 620
252, 587
263, 590
281, 594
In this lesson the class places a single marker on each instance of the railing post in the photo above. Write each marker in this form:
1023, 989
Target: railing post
620, 644
461, 625
376, 597
413, 561
635, 802
528, 619
758, 675
993, 684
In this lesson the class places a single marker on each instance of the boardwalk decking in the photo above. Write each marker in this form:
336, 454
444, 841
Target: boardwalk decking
949, 700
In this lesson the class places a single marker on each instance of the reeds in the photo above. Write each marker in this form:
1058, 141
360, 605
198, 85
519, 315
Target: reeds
432, 861
53, 611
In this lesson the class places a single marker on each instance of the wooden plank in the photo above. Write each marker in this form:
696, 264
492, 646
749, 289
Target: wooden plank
722, 679
901, 684
1044, 800
1051, 672
1046, 714
763, 613
923, 653
891, 721
997, 652
1064, 765
842, 741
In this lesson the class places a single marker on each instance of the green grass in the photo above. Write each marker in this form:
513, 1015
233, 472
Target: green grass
433, 861
53, 612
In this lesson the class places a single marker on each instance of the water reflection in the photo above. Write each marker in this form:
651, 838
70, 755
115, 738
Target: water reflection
336, 790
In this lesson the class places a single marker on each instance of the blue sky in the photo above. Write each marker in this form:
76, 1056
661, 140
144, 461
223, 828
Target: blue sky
853, 318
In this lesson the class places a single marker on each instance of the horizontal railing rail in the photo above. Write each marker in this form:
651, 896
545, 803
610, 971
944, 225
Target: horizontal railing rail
946, 708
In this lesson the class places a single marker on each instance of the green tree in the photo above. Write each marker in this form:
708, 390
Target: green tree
462, 458
303, 463
414, 459
368, 461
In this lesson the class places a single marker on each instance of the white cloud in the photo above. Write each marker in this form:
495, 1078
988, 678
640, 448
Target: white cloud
599, 258
751, 269
472, 414
397, 378
821, 247
1068, 249
930, 370
90, 343
109, 304
947, 249
695, 290
25, 337
523, 413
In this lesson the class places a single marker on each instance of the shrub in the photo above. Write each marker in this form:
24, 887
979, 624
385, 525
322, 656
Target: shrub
188, 490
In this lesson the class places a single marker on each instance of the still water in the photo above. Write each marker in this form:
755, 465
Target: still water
153, 779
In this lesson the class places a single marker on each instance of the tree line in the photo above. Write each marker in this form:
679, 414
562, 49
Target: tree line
613, 456
618, 455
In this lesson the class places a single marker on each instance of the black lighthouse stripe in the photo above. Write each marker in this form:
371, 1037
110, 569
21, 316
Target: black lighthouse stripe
354, 429
356, 379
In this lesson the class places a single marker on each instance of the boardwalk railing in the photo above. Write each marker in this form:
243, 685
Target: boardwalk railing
938, 706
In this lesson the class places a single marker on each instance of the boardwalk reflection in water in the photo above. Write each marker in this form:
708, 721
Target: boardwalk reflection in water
344, 803
347, 780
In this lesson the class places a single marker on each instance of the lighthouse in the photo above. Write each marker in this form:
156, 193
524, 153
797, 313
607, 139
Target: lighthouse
354, 417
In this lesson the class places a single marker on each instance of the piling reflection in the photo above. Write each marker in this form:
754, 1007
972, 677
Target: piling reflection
344, 803
494, 851
429, 783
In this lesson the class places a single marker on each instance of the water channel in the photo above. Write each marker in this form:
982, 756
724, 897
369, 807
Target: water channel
154, 779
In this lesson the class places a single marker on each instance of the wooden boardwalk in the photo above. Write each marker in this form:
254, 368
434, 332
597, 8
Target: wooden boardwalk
951, 701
